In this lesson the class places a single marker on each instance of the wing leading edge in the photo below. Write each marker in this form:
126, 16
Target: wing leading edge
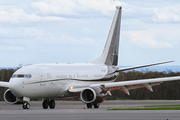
129, 85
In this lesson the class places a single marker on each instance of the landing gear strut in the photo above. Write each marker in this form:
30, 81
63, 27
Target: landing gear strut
26, 105
89, 105
47, 103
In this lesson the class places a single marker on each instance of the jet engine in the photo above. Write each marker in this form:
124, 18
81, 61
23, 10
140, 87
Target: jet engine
10, 98
92, 95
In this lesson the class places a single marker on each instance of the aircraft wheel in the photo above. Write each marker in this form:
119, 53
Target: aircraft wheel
89, 105
26, 105
52, 104
96, 105
45, 104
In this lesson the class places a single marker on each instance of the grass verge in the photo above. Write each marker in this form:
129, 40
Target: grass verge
153, 107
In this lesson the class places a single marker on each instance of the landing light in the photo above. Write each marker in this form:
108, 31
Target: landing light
71, 87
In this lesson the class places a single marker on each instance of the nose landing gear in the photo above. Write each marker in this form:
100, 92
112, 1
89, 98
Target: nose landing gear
26, 105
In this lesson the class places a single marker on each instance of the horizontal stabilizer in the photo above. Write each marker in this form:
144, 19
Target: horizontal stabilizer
140, 66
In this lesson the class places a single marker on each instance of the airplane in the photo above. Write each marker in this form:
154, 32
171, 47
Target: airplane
91, 82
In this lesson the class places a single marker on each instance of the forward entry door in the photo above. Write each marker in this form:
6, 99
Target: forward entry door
42, 83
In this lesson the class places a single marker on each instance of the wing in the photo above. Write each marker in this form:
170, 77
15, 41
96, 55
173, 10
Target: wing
4, 84
140, 66
127, 85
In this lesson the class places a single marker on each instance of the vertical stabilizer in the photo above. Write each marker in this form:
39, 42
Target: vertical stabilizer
111, 48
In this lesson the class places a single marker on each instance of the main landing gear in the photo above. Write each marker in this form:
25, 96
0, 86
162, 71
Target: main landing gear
47, 103
96, 105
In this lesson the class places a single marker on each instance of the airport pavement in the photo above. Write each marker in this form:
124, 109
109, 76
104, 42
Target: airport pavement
73, 110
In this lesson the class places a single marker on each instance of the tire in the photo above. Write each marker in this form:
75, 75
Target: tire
26, 105
89, 105
45, 104
96, 105
52, 104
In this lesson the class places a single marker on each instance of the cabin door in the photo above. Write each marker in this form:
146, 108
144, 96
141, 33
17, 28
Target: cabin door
41, 75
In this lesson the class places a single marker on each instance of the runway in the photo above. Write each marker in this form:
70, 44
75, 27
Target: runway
68, 110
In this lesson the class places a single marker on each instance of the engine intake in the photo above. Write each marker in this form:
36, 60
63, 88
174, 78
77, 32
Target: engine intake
10, 98
92, 95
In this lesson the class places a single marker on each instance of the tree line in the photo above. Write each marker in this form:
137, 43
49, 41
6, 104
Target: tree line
165, 91
5, 75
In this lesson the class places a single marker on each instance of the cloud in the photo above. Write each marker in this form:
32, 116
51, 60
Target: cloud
64, 40
76, 7
15, 33
18, 15
147, 38
167, 14
11, 48
59, 10
87, 31
16, 42
56, 10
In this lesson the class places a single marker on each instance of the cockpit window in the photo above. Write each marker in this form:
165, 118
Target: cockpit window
28, 76
13, 76
21, 76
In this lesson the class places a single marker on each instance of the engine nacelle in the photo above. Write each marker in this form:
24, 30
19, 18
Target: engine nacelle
10, 98
92, 95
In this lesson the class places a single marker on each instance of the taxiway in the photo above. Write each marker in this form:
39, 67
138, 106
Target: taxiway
68, 110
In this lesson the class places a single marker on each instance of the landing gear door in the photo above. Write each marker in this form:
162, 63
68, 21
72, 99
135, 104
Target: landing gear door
42, 83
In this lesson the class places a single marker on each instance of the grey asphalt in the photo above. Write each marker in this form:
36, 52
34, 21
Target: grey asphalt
74, 110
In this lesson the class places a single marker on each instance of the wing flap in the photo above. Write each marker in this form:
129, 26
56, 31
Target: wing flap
131, 87
135, 84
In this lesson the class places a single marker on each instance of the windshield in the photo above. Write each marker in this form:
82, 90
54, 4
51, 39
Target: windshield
21, 76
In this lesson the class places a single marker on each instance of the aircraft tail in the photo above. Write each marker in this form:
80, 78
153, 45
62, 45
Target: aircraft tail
111, 48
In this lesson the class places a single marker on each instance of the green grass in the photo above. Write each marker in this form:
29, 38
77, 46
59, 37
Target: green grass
153, 107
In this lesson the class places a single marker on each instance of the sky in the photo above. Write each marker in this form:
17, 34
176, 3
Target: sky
51, 31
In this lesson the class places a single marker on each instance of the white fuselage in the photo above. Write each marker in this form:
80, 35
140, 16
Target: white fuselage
53, 80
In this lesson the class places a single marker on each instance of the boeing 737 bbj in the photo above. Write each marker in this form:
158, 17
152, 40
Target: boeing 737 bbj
90, 81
